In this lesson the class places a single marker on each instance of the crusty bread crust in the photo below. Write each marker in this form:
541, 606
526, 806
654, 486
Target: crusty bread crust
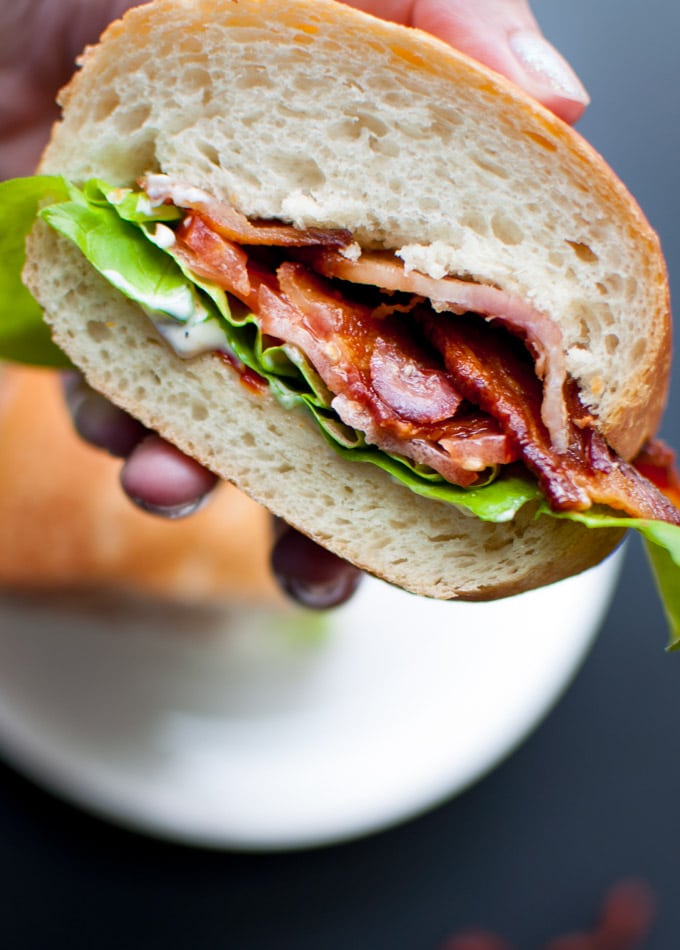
315, 113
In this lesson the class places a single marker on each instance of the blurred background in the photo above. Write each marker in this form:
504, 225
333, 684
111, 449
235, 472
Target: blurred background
588, 800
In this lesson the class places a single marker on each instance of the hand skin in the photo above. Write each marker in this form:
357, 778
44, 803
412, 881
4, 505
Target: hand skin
39, 42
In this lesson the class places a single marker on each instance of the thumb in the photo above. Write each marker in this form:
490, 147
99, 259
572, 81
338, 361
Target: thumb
501, 34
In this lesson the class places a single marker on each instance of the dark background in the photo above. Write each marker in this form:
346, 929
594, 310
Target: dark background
589, 799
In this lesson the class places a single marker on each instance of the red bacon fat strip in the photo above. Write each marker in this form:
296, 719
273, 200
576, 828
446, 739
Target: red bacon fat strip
385, 384
656, 462
482, 407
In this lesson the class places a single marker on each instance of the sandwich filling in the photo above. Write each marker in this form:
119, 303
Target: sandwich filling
458, 377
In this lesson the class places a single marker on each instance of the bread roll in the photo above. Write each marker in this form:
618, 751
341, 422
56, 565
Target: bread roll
315, 114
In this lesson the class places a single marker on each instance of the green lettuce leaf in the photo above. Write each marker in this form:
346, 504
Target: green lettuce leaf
123, 237
662, 544
116, 248
130, 205
24, 336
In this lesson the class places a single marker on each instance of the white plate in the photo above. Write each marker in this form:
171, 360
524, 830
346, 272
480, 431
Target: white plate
255, 731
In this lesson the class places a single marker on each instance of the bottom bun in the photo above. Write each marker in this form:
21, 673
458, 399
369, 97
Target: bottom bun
66, 524
280, 459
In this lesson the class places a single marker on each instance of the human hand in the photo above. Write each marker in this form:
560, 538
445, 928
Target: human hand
39, 40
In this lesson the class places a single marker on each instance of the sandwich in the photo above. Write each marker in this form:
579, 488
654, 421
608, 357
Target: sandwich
363, 278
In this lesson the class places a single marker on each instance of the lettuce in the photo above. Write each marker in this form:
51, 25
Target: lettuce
123, 237
662, 545
24, 337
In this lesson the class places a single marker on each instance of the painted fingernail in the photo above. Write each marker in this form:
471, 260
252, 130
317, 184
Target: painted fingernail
546, 66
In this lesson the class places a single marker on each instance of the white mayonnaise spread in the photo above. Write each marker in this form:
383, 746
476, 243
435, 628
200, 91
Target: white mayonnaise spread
191, 338
179, 318
161, 187
163, 236
118, 195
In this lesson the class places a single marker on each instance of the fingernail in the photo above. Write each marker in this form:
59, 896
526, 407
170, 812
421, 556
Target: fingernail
545, 65
101, 423
171, 512
320, 596
310, 575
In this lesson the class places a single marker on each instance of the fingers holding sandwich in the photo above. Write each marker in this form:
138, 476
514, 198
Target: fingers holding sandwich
501, 34
156, 476
310, 574
98, 421
163, 481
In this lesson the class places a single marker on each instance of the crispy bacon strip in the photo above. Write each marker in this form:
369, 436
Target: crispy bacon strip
542, 335
656, 461
417, 391
379, 355
390, 388
386, 385
494, 375
211, 257
459, 450
403, 400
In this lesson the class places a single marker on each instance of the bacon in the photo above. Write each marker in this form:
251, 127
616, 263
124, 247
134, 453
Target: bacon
212, 257
413, 389
477, 443
458, 451
492, 374
404, 401
413, 401
389, 362
620, 485
542, 335
656, 462
234, 226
